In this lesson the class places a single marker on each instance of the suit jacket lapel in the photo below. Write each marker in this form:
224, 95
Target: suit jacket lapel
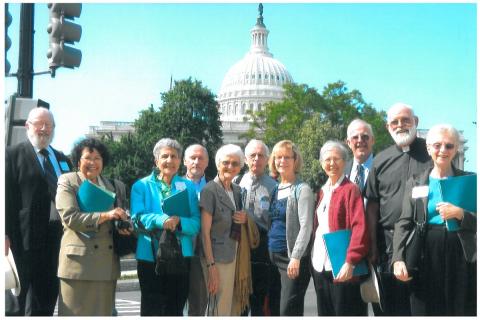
30, 151
222, 195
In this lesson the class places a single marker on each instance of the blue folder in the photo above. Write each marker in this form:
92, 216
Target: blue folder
93, 198
337, 244
460, 191
177, 204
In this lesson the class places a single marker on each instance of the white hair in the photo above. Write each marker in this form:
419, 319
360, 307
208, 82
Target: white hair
193, 146
167, 143
356, 122
333, 144
252, 143
392, 112
443, 128
36, 111
229, 150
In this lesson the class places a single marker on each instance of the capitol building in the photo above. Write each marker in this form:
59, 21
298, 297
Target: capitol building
256, 79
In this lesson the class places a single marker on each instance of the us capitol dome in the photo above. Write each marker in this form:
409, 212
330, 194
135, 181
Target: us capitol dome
250, 83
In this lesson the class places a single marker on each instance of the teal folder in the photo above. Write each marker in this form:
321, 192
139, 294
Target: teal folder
337, 244
93, 198
177, 204
460, 191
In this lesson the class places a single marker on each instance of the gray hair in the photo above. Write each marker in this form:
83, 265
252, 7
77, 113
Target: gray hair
167, 143
443, 128
252, 143
356, 122
334, 144
397, 106
36, 111
229, 150
193, 146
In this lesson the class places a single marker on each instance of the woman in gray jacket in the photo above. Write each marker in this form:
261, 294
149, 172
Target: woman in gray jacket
291, 211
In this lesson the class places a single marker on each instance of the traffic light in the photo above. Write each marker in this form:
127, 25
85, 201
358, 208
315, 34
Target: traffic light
8, 42
61, 32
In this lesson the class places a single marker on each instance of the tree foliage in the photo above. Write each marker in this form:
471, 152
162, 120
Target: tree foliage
188, 114
309, 119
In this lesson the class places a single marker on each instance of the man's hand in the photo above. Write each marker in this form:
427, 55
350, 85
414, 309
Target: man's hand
400, 271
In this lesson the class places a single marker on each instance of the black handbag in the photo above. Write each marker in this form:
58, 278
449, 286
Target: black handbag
169, 257
122, 244
414, 248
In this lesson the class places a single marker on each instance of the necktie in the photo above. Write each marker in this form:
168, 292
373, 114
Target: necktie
50, 175
360, 176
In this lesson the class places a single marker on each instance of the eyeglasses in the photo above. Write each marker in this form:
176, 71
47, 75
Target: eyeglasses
230, 163
362, 137
254, 155
96, 159
438, 146
398, 122
40, 125
334, 160
285, 158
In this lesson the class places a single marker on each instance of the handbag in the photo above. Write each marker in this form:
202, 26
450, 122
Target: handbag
122, 244
414, 247
169, 258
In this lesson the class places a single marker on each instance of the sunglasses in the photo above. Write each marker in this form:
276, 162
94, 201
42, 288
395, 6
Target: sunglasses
438, 146
230, 163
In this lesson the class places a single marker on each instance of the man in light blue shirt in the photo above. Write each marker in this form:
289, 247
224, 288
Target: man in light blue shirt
196, 161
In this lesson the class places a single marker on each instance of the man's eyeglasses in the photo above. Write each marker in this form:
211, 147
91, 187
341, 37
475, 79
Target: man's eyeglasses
398, 122
40, 125
438, 146
254, 155
361, 137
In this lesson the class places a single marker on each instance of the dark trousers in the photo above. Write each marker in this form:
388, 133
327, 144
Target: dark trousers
38, 278
396, 294
163, 295
293, 291
197, 293
337, 299
265, 299
446, 285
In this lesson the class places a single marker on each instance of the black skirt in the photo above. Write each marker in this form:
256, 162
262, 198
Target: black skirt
446, 285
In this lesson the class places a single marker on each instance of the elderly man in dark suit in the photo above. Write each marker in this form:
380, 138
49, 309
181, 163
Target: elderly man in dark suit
32, 225
360, 139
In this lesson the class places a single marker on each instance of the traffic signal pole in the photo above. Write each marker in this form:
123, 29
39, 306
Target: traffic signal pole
25, 57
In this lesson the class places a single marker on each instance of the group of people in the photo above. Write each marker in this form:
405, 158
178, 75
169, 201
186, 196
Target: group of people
251, 241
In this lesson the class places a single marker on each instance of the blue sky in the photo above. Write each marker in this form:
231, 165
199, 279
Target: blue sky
421, 54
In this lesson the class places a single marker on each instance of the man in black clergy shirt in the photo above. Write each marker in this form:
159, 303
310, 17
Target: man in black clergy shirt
384, 191
33, 229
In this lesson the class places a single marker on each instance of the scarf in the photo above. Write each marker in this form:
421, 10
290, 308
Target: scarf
242, 288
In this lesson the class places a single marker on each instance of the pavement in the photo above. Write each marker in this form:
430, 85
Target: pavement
128, 279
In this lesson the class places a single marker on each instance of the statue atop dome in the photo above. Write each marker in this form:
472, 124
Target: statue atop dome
260, 16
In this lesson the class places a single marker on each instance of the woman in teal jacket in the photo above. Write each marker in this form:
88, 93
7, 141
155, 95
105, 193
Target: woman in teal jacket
163, 295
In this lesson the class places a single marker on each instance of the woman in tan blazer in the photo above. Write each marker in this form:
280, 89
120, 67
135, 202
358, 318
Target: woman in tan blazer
88, 267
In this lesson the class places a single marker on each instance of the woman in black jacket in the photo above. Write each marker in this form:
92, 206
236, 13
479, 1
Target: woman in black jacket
445, 282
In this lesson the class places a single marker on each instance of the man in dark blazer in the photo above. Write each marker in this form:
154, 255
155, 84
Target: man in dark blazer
33, 229
360, 139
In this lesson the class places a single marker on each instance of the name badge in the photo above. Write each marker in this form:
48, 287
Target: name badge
180, 185
283, 193
64, 166
420, 192
264, 203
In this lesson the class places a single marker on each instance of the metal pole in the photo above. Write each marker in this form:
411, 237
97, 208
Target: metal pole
25, 57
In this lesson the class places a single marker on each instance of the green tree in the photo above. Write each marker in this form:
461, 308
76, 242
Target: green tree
188, 114
309, 118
